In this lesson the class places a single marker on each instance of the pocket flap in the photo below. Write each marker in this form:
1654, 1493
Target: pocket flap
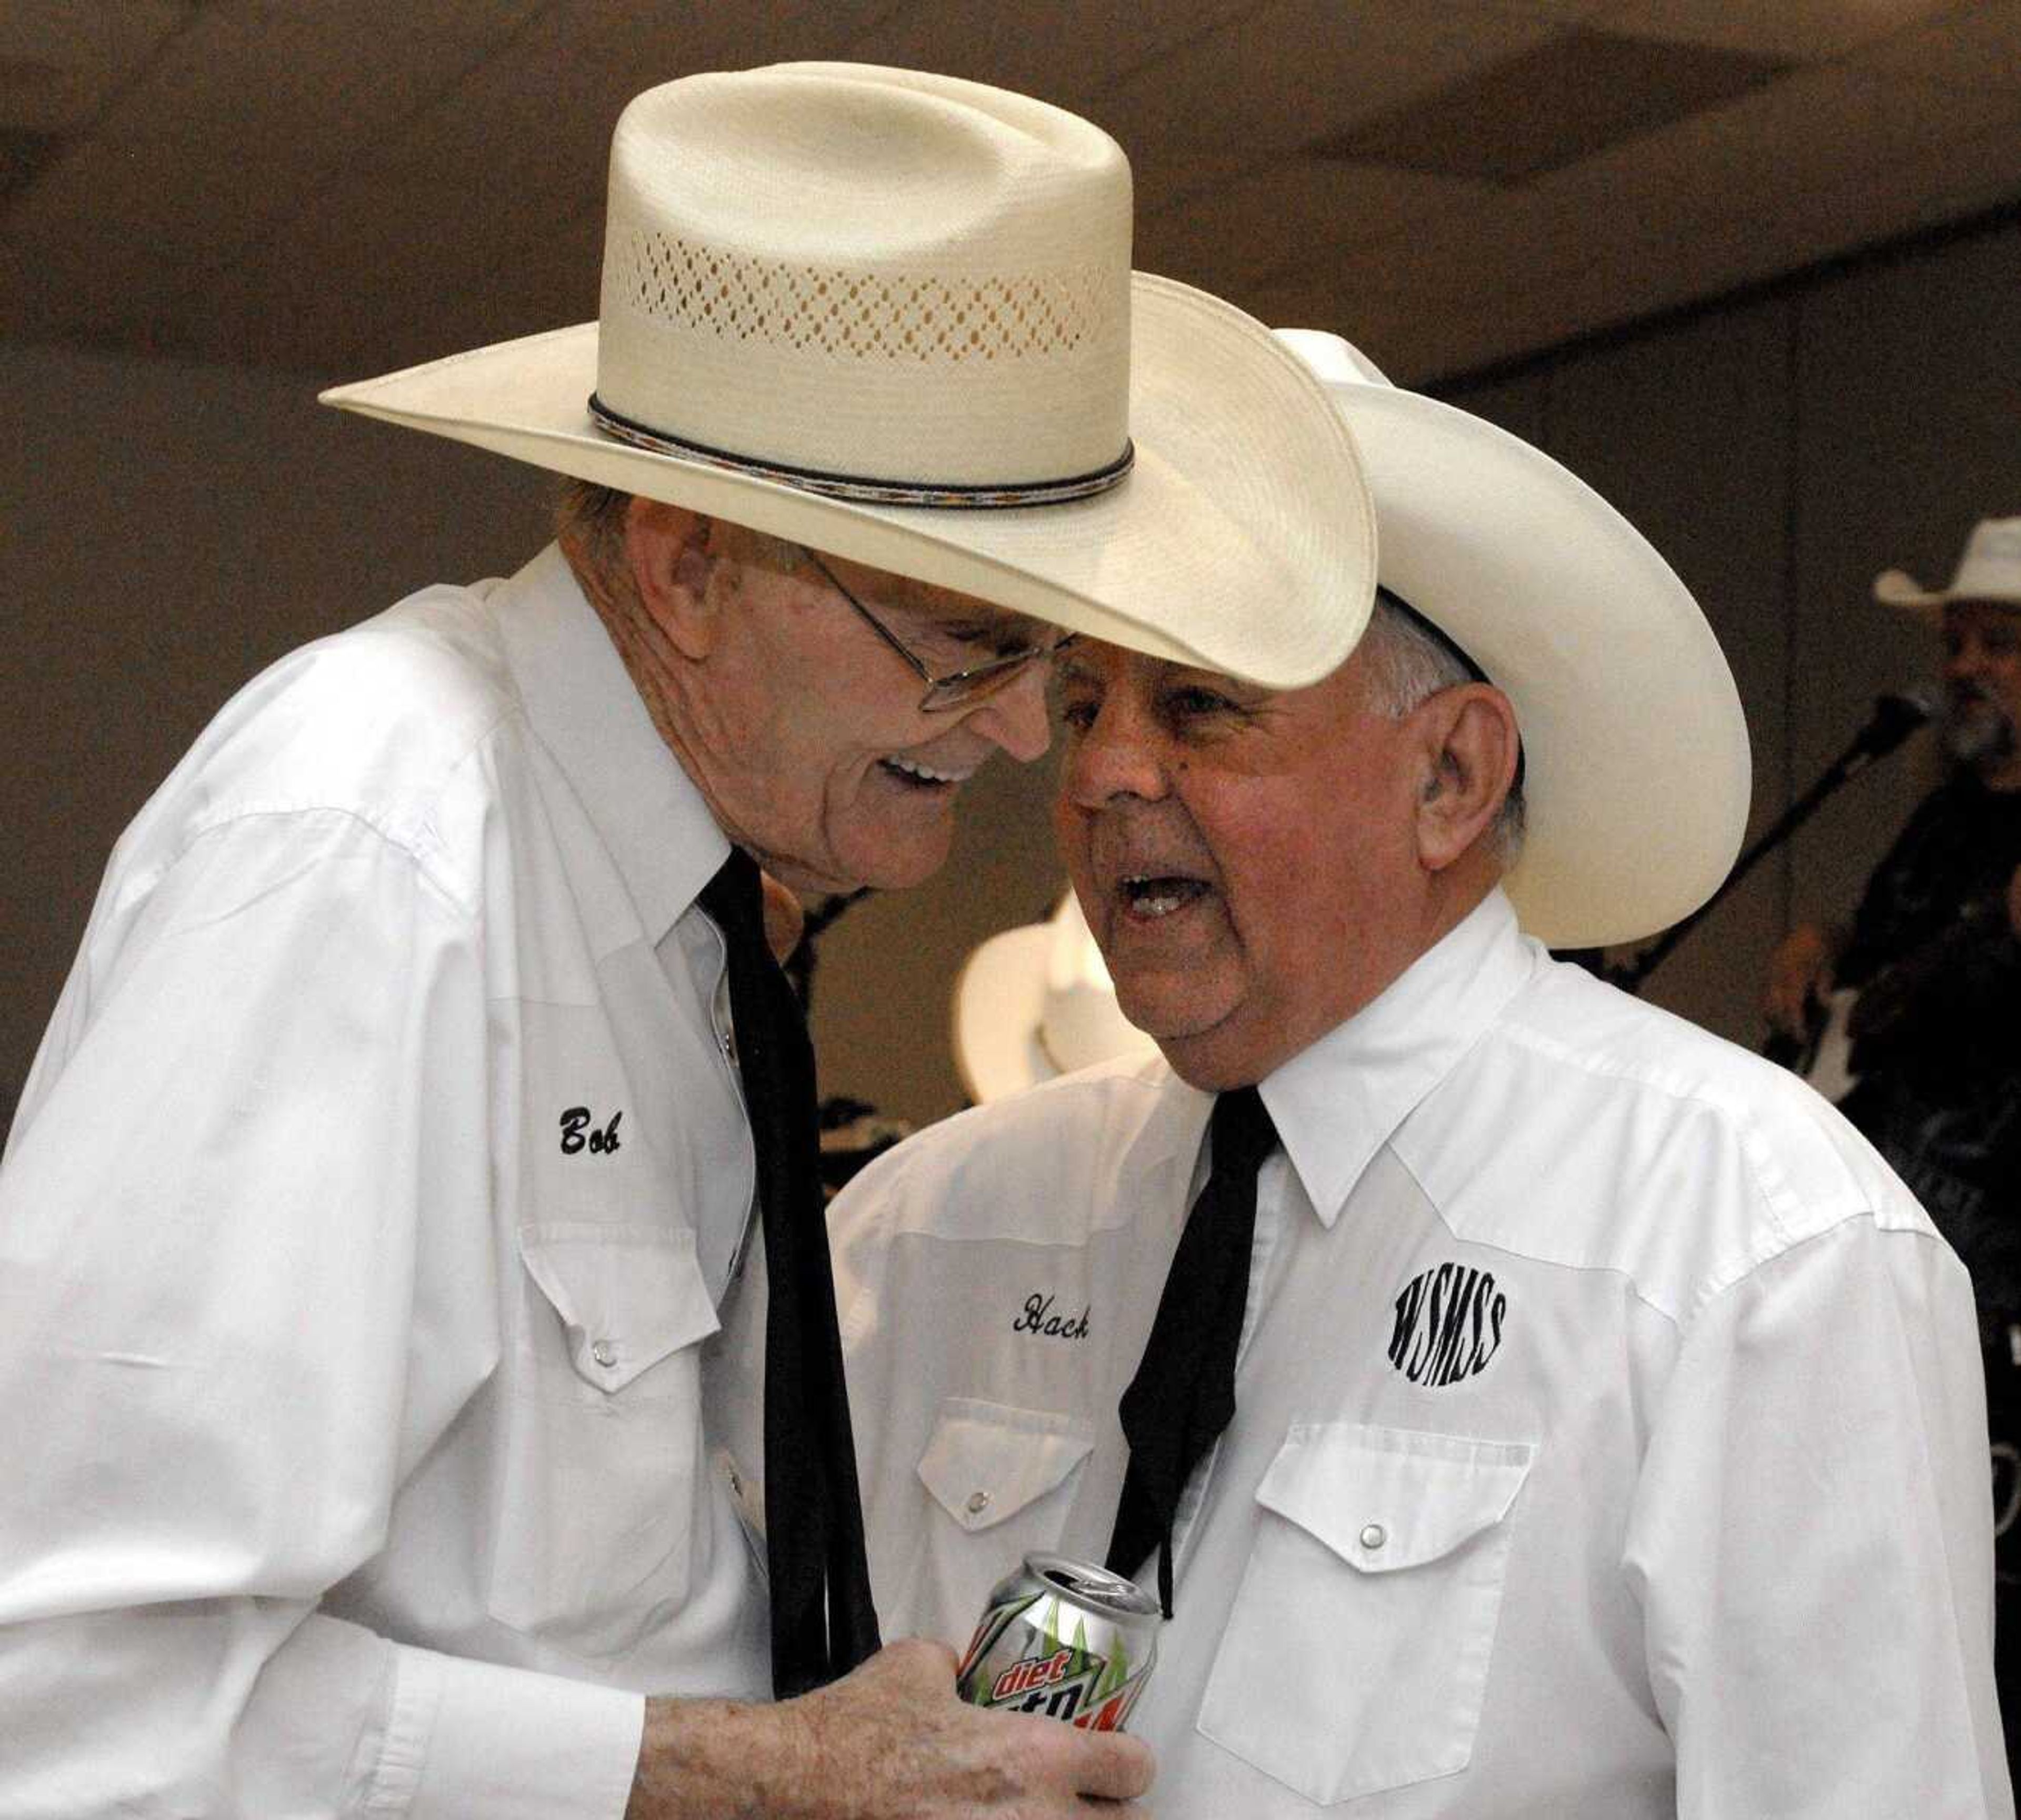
627, 1295
987, 1461
1386, 1498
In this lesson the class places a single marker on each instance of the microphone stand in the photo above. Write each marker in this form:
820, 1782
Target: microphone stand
1895, 719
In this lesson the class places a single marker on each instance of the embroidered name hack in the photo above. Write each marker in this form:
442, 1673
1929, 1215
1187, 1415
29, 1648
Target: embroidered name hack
1448, 1325
1039, 1318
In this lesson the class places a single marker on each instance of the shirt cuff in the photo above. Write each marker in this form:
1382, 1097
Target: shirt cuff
468, 1738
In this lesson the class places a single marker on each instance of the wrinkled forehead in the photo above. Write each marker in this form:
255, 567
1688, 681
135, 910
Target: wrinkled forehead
1090, 662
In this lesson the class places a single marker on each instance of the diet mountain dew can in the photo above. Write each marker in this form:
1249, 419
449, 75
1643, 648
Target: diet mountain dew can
1064, 1639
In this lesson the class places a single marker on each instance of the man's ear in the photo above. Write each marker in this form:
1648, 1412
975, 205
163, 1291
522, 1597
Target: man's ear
1469, 742
666, 550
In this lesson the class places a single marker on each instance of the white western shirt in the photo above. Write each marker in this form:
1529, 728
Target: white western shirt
1610, 1439
365, 1229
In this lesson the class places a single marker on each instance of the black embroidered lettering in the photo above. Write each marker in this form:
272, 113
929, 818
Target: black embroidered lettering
598, 1143
1447, 1325
1037, 1308
1428, 1331
1407, 1304
1487, 1315
1039, 1318
1454, 1328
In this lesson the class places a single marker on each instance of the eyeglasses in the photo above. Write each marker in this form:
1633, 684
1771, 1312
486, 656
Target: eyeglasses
964, 687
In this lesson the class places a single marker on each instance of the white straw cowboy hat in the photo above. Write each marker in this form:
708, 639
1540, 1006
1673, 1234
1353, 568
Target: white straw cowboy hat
1635, 752
1990, 570
1037, 1002
892, 315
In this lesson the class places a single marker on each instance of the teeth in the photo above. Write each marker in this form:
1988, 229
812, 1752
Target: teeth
1156, 896
913, 768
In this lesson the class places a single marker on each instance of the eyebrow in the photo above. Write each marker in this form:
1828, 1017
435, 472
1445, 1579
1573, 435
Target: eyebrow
1071, 664
978, 622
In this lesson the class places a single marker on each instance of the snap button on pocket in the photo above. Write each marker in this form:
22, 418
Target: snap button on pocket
627, 1297
1356, 1656
606, 1394
986, 1462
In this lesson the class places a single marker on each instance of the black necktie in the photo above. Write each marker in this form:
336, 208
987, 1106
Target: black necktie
823, 1623
1184, 1392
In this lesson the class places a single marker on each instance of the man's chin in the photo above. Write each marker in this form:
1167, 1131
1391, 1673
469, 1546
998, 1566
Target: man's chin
1980, 737
1202, 1046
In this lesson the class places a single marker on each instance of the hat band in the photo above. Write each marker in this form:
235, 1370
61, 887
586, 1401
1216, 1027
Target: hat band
863, 490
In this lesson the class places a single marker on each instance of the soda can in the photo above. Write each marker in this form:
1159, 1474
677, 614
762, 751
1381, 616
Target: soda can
1064, 1639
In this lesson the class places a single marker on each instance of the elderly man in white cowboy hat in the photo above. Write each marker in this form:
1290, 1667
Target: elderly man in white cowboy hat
424, 1395
1522, 1402
1920, 995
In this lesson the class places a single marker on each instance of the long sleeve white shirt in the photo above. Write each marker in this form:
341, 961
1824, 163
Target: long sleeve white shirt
1610, 1441
366, 1227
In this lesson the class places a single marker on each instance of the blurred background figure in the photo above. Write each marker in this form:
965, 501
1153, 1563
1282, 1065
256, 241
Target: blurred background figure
1912, 1011
1036, 1002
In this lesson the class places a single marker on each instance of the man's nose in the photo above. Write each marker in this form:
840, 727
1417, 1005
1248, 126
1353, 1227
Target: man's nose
1113, 756
1014, 717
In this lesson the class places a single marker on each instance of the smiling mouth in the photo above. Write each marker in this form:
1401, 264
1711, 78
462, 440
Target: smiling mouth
920, 776
1153, 896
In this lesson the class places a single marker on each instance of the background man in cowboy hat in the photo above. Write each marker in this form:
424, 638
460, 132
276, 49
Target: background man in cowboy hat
1544, 1407
422, 1392
1925, 985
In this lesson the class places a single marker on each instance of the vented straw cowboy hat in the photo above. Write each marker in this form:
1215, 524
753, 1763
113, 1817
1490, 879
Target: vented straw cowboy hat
1635, 758
1990, 570
892, 315
1036, 1002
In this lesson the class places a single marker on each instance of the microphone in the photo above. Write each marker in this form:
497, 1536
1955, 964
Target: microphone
1895, 716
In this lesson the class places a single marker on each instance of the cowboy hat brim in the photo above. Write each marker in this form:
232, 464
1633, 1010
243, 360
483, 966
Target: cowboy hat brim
999, 1000
1246, 490
1897, 587
1635, 751
1015, 1024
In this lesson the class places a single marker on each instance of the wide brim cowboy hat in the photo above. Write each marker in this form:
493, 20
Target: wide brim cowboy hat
1988, 572
890, 315
1034, 1001
1637, 771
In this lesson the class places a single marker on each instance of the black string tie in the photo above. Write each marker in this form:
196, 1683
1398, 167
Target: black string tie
823, 1622
1183, 1395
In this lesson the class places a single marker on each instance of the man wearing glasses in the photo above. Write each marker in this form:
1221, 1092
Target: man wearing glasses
417, 1344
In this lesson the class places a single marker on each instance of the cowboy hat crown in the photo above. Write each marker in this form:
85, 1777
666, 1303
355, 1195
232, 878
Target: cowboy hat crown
891, 315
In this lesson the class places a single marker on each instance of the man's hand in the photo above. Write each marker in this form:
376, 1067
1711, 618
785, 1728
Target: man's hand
891, 1741
1799, 975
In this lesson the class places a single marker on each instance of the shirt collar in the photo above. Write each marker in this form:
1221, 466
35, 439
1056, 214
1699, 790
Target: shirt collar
586, 710
1337, 1103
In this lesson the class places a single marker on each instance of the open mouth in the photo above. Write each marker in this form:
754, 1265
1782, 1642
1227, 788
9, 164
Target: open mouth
923, 777
1153, 896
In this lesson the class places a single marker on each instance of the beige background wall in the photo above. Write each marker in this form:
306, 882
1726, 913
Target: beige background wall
165, 530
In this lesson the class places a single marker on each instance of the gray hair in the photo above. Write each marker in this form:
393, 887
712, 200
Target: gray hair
589, 519
1409, 662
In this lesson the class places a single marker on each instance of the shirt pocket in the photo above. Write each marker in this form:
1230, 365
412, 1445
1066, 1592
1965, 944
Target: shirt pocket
999, 1480
603, 1455
1356, 1654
